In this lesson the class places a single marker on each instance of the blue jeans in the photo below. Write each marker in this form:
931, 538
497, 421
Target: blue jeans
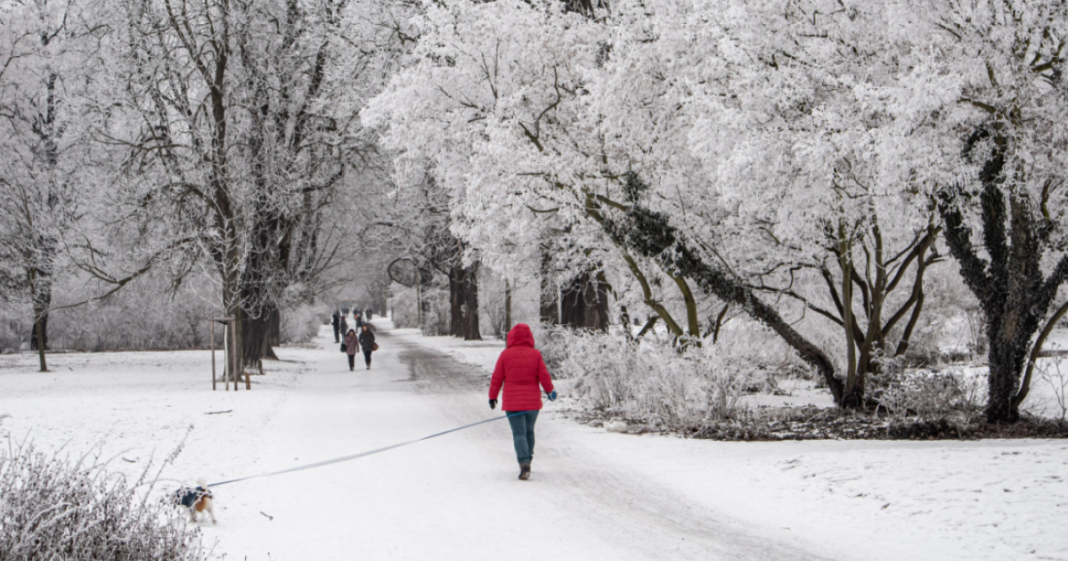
523, 433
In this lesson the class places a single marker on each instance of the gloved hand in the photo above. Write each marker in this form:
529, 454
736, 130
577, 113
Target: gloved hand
493, 404
551, 395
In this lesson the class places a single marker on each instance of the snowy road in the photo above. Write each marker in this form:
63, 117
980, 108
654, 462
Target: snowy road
594, 495
455, 497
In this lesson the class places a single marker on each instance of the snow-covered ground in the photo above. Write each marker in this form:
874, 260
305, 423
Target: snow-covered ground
594, 495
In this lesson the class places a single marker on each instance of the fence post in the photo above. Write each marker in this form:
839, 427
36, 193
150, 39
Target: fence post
232, 350
231, 361
226, 355
212, 322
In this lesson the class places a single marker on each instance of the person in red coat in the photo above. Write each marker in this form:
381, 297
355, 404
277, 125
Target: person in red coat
520, 369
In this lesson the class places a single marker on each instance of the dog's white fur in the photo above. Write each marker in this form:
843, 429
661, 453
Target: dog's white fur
204, 503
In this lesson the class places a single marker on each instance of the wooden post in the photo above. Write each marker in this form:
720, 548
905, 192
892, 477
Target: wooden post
244, 369
230, 364
232, 355
226, 355
212, 354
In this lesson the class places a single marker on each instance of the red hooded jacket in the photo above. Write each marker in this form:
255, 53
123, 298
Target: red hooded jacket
520, 369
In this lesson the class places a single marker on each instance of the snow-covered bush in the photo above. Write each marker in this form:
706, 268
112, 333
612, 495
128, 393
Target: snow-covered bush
555, 344
300, 324
929, 394
1051, 372
404, 303
667, 386
149, 313
436, 316
10, 337
492, 304
52, 507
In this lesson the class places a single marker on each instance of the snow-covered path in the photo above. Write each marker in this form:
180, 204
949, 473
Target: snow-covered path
594, 495
454, 497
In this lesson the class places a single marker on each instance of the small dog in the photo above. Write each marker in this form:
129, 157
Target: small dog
196, 500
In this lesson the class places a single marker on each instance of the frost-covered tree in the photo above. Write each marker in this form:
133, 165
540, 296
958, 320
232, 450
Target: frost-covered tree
41, 137
781, 148
470, 106
297, 143
171, 110
1009, 121
807, 122
502, 97
239, 123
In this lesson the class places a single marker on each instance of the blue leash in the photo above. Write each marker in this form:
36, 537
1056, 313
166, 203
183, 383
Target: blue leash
363, 454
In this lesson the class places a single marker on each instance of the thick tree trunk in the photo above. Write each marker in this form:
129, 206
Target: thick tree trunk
39, 329
1006, 361
584, 304
549, 299
274, 331
232, 302
456, 301
1009, 286
426, 277
471, 329
507, 306
257, 333
463, 302
41, 334
261, 313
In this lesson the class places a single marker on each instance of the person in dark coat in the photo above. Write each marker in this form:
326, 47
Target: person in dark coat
520, 370
344, 324
335, 320
351, 342
359, 322
367, 343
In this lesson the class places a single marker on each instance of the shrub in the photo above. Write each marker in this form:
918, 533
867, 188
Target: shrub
54, 508
300, 324
404, 303
1050, 372
929, 394
670, 387
554, 342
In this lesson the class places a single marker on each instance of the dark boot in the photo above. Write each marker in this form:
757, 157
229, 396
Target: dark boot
524, 471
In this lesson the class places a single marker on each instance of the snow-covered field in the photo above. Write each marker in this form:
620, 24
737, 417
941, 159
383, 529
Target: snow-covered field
594, 495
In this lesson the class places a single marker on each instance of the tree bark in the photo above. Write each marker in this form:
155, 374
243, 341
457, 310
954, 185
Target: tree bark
1010, 286
584, 303
549, 300
845, 262
507, 306
274, 332
456, 300
463, 302
41, 334
426, 277
471, 329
